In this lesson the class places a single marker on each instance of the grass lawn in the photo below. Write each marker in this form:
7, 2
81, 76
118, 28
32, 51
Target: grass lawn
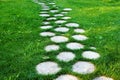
21, 47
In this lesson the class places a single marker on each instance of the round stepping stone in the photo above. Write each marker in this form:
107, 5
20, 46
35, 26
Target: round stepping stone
51, 18
103, 78
67, 77
83, 67
60, 21
66, 56
59, 39
47, 68
52, 48
65, 18
79, 30
46, 23
67, 9
44, 15
90, 55
58, 15
74, 46
79, 37
47, 34
54, 11
43, 12
61, 29
72, 25
46, 27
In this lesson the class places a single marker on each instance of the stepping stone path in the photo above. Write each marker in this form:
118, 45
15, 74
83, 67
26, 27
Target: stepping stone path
59, 18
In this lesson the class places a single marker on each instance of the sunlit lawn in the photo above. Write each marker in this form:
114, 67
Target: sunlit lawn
21, 47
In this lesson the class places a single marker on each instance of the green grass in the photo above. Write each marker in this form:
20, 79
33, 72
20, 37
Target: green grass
21, 47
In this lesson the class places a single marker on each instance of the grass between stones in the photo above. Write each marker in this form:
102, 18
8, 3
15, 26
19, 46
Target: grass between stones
22, 48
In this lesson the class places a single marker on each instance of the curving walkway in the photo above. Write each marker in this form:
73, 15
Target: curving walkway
52, 14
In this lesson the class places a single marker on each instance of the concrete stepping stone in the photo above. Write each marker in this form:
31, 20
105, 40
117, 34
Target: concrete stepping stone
50, 48
46, 27
61, 29
51, 18
60, 21
79, 37
79, 30
44, 15
58, 15
90, 55
103, 78
46, 23
74, 46
66, 56
47, 34
66, 77
83, 67
59, 39
65, 18
67, 9
54, 11
43, 12
72, 25
47, 68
